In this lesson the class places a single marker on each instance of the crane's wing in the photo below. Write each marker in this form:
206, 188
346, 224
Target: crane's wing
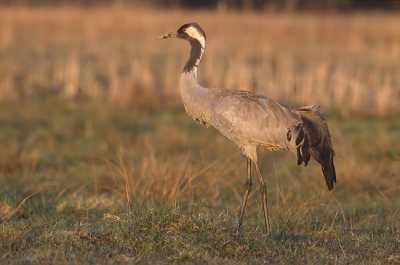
248, 118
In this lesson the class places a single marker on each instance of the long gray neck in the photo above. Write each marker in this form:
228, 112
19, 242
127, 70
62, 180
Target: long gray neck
196, 52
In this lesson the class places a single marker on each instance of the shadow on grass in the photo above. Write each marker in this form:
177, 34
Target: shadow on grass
284, 236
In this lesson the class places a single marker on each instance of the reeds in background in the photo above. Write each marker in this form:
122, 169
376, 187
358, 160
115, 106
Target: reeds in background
346, 62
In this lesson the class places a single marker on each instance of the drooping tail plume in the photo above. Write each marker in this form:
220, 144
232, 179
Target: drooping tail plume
312, 137
328, 169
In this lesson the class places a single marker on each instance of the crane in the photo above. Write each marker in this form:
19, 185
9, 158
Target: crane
253, 121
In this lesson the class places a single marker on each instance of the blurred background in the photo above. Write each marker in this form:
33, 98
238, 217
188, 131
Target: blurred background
300, 51
100, 163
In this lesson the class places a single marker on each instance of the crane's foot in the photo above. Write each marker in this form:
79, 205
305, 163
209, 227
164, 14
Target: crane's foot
268, 230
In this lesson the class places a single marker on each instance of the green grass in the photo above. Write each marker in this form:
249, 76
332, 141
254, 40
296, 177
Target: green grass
126, 186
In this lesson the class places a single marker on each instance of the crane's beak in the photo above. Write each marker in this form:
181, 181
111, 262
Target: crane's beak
167, 36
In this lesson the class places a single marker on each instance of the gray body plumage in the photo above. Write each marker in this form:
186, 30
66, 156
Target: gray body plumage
247, 119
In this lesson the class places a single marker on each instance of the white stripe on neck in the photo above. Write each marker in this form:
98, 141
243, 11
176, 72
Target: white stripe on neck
195, 34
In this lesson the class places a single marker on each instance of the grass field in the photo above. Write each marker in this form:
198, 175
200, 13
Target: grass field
100, 165
105, 184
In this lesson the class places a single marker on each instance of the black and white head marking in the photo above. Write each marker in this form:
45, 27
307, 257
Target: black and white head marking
193, 32
196, 36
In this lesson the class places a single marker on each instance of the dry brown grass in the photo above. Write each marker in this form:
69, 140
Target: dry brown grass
348, 62
154, 186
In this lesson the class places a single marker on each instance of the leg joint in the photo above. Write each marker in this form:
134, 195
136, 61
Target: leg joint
249, 183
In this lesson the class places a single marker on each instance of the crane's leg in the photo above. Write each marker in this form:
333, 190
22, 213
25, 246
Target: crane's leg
245, 197
264, 199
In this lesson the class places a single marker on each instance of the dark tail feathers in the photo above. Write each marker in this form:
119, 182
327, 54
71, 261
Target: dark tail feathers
328, 169
301, 141
312, 139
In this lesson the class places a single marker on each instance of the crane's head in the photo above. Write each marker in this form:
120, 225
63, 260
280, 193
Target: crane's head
191, 32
